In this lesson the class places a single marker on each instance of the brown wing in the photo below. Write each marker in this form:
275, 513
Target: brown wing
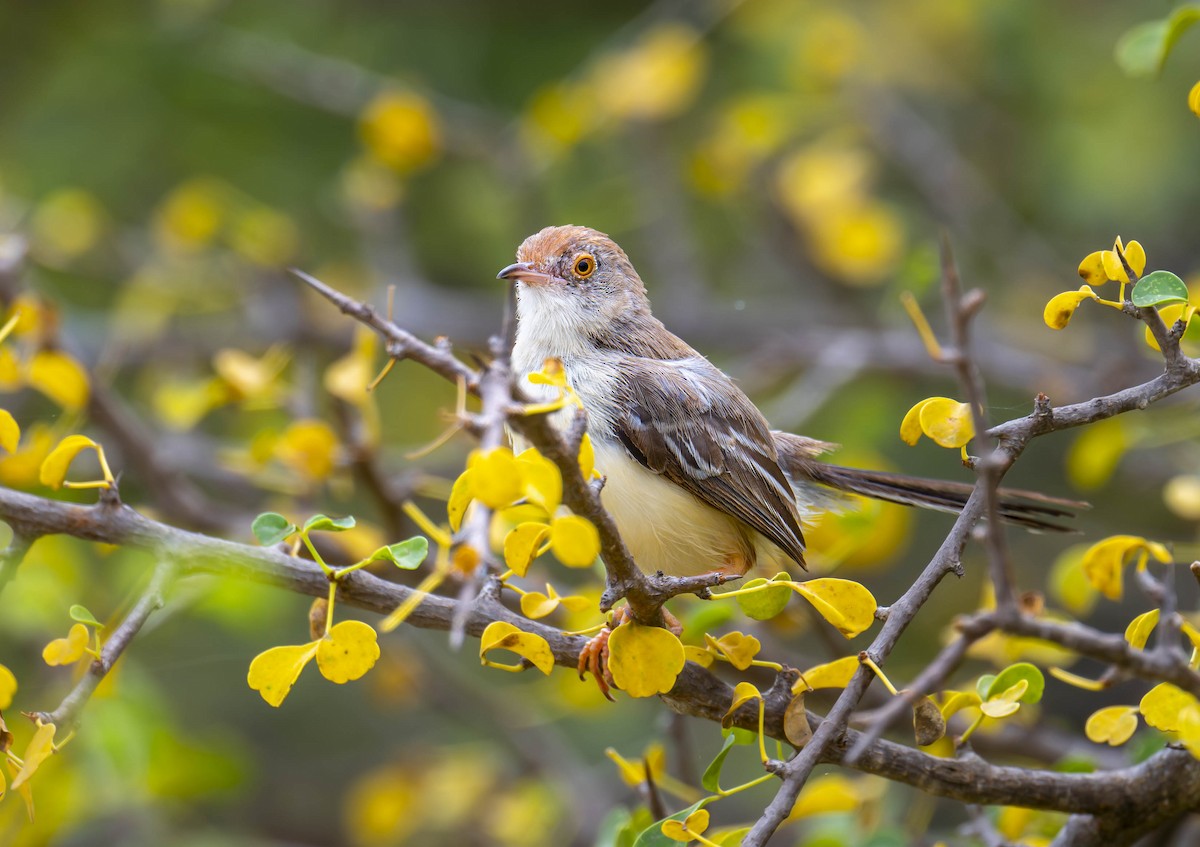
687, 421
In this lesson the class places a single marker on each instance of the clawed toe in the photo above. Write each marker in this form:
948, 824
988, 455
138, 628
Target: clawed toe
593, 658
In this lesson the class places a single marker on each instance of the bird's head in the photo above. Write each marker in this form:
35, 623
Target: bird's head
575, 274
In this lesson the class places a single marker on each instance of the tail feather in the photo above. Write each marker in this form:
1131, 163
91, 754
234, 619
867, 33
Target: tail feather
1030, 509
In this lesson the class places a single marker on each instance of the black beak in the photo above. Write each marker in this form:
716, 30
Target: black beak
524, 272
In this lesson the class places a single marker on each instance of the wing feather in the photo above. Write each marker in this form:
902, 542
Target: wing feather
729, 462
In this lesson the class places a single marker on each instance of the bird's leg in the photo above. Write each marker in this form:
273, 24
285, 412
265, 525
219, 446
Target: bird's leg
593, 658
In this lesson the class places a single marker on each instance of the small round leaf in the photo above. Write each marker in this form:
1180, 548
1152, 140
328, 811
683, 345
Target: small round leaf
1160, 288
271, 528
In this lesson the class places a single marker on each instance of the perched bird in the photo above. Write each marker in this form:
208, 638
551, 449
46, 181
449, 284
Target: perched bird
696, 480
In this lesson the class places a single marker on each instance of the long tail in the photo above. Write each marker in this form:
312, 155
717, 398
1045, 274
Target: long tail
797, 456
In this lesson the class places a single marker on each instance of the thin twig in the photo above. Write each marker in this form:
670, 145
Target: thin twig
66, 716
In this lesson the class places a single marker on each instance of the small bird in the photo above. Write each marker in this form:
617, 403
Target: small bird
696, 480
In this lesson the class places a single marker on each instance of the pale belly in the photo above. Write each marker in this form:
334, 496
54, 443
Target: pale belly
669, 530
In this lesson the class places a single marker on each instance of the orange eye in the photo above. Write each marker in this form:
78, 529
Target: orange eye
584, 265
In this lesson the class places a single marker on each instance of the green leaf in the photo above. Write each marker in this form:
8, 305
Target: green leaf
1142, 50
984, 685
324, 523
765, 603
80, 614
271, 528
1160, 288
652, 836
1011, 675
711, 781
406, 555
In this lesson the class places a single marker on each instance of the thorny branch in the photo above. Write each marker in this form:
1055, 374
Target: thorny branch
1171, 778
1012, 437
1105, 806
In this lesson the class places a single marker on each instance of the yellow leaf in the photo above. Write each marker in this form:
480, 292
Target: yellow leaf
1092, 271
743, 693
587, 457
501, 635
1135, 254
959, 700
695, 824
1103, 562
859, 240
498, 478
522, 544
250, 378
910, 427
1139, 629
192, 214
948, 422
273, 672
1095, 454
846, 604
738, 648
633, 774
60, 378
1182, 496
461, 495
1112, 725
8, 687
40, 748
348, 377
1193, 634
536, 605
21, 470
1193, 100
655, 78
1170, 314
67, 651
12, 376
309, 447
1061, 308
180, 404
347, 651
10, 432
835, 674
54, 467
556, 117
1189, 728
401, 130
1077, 681
1162, 704
644, 660
66, 224
698, 655
826, 795
1005, 703
574, 541
543, 482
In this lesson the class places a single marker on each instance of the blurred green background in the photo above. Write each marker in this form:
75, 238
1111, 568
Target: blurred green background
778, 172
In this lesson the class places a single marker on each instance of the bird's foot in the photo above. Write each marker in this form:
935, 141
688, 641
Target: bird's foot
593, 658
